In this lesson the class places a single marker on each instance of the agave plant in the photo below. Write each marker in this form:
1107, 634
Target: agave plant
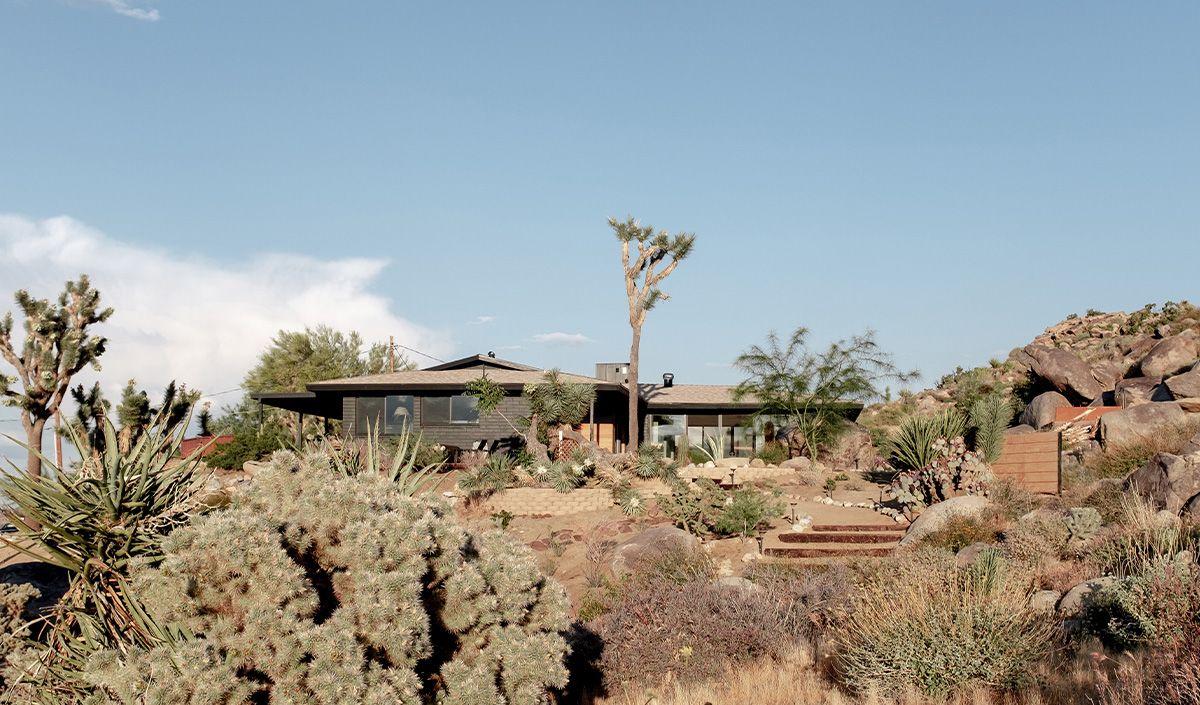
352, 459
97, 522
911, 448
713, 447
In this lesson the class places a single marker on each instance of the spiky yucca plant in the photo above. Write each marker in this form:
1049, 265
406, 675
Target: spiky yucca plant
97, 522
350, 458
989, 419
911, 447
325, 589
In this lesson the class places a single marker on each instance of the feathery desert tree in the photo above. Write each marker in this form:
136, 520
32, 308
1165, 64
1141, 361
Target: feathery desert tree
641, 288
57, 345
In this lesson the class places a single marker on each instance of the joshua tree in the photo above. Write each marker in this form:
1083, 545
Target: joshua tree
56, 346
641, 288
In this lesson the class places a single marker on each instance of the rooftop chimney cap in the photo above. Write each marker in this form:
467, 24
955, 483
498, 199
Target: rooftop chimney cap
491, 354
668, 379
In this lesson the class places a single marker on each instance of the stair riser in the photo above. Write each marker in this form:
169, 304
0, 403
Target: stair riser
830, 537
826, 552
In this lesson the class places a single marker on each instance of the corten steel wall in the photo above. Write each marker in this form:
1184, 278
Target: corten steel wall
1034, 460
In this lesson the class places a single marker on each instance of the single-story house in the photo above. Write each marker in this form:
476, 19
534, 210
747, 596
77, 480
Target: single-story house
433, 402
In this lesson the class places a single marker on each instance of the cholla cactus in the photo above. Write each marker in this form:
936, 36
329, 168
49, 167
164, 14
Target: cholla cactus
1082, 522
325, 589
956, 471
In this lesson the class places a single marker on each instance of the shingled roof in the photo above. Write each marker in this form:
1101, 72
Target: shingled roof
449, 380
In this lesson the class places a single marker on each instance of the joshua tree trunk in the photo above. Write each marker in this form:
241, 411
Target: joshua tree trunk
33, 439
634, 426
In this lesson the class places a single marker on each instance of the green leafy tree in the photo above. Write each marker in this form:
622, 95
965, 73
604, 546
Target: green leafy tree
641, 288
56, 346
292, 361
811, 388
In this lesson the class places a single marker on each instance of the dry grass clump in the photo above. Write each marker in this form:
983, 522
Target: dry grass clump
961, 531
944, 635
1119, 460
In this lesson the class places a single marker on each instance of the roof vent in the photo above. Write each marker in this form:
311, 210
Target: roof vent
668, 379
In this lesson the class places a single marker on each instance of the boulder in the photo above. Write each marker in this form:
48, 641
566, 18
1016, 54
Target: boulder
967, 555
1020, 430
800, 463
935, 516
1139, 390
758, 463
733, 462
1191, 511
1107, 372
1170, 356
1185, 385
1190, 405
1168, 481
1192, 446
660, 539
1040, 412
733, 586
1128, 424
1068, 374
1043, 601
1080, 597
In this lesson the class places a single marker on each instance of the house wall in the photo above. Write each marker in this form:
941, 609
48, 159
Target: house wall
490, 428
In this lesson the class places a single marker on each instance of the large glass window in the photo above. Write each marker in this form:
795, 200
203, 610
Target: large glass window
666, 430
391, 414
458, 409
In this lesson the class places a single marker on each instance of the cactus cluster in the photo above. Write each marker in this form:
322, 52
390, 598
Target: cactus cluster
956, 471
1082, 522
319, 588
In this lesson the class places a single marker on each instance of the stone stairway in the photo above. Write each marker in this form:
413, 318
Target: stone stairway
825, 541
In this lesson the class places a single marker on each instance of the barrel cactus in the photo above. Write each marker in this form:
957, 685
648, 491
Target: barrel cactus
315, 588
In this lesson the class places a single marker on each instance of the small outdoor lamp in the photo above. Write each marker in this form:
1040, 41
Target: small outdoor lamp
761, 531
731, 478
792, 512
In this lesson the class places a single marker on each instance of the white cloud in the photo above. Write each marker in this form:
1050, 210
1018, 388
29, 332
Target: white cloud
192, 319
482, 320
121, 8
572, 339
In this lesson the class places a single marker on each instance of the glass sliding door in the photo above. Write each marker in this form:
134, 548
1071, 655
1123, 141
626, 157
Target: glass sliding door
665, 430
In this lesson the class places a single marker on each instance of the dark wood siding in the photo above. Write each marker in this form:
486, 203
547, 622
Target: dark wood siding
489, 428
349, 414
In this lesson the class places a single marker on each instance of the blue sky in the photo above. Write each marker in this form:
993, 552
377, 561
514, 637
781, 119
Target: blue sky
956, 176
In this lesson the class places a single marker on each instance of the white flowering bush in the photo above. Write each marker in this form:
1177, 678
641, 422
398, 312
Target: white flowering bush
321, 589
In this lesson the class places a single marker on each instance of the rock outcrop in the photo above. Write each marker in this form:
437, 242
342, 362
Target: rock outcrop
1139, 390
1040, 412
1186, 385
1170, 356
660, 539
1069, 375
1127, 425
935, 516
1168, 481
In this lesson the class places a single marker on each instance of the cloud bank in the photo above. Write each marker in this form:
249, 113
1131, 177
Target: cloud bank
192, 319
121, 8
573, 339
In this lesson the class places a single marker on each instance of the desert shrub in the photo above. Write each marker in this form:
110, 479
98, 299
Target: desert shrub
942, 635
744, 510
1106, 498
667, 624
695, 506
14, 626
321, 588
1082, 523
961, 531
246, 447
955, 471
1035, 537
772, 453
1159, 607
1118, 460
482, 479
1013, 499
98, 522
911, 447
808, 599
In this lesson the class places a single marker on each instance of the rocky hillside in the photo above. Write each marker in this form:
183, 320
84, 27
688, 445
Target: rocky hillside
1099, 360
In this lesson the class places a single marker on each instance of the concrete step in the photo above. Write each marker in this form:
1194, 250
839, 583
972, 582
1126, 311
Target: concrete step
886, 528
841, 537
826, 551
